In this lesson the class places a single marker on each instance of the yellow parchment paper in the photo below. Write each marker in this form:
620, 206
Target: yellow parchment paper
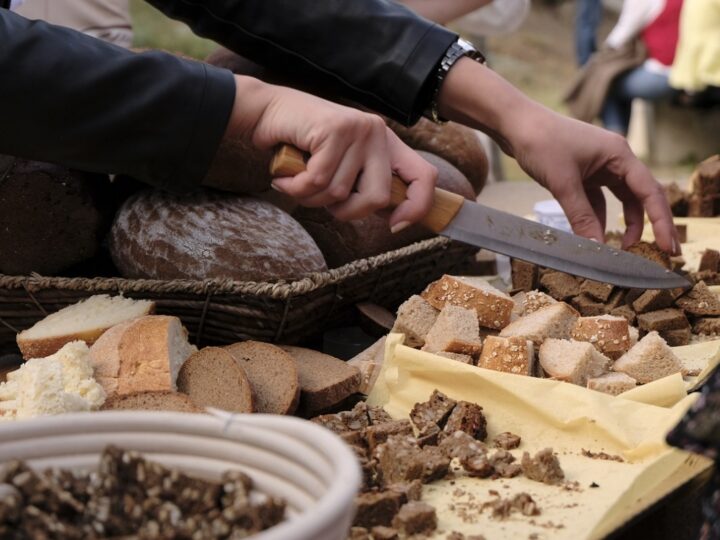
544, 413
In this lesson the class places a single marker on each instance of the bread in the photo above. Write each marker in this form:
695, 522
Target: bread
143, 354
612, 383
511, 355
608, 334
677, 337
212, 377
273, 375
587, 306
534, 300
624, 311
524, 275
652, 252
699, 301
652, 300
552, 321
210, 235
493, 307
710, 260
662, 319
572, 361
86, 321
369, 362
325, 381
650, 359
239, 167
454, 324
51, 217
634, 335
415, 317
163, 400
560, 285
597, 290
462, 358
707, 326
677, 198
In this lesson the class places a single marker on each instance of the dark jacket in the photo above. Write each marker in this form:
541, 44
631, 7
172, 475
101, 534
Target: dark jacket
73, 100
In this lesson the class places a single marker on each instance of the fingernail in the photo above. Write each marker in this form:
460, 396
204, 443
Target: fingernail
676, 247
400, 226
595, 240
275, 187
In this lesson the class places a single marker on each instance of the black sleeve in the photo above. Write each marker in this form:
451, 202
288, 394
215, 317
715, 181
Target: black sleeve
375, 52
71, 99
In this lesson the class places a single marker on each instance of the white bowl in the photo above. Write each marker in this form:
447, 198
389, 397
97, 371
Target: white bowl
305, 464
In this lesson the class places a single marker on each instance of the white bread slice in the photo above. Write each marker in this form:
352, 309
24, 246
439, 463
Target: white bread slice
492, 306
650, 359
85, 321
613, 383
610, 335
144, 354
633, 335
534, 300
572, 361
456, 329
369, 362
415, 317
511, 355
552, 321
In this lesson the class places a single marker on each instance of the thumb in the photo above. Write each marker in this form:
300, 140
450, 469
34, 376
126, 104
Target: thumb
583, 219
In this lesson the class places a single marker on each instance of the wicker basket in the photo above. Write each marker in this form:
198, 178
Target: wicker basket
226, 311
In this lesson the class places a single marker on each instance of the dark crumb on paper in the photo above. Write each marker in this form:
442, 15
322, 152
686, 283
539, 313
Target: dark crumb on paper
543, 467
594, 485
502, 508
547, 525
602, 455
572, 486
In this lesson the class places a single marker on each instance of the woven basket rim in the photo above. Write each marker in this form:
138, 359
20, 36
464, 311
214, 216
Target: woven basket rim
279, 290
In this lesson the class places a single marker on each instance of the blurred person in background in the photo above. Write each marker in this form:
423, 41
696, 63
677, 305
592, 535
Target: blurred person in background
587, 20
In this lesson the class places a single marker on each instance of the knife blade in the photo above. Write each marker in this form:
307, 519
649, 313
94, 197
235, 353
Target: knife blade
469, 222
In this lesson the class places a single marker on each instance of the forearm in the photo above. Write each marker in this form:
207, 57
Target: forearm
76, 101
444, 11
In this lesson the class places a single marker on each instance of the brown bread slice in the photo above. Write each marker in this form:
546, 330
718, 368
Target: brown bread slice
596, 289
699, 301
652, 300
588, 306
677, 337
524, 275
415, 317
325, 380
552, 321
153, 401
650, 359
708, 326
710, 260
511, 355
609, 335
212, 377
560, 285
273, 375
652, 252
662, 319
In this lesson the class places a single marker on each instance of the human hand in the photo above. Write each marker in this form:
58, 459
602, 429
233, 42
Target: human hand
352, 154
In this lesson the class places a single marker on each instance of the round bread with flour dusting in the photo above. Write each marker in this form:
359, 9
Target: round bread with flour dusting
202, 235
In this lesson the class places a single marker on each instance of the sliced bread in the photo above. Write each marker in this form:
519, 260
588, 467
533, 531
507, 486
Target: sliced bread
273, 375
572, 361
609, 335
535, 300
143, 354
415, 317
212, 377
325, 381
650, 359
511, 355
552, 321
85, 321
454, 329
612, 383
369, 362
699, 301
153, 401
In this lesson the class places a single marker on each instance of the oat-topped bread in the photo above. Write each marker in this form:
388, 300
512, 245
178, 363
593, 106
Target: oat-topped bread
212, 377
650, 359
85, 321
552, 321
153, 401
572, 361
325, 381
493, 307
613, 383
143, 354
511, 355
534, 300
456, 329
608, 334
651, 251
699, 301
415, 317
273, 375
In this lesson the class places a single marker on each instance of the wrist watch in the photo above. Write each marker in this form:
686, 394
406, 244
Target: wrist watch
455, 52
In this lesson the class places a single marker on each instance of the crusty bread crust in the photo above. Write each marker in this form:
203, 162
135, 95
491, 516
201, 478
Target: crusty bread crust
40, 348
153, 401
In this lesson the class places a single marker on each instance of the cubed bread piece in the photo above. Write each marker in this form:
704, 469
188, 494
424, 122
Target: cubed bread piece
596, 289
701, 206
625, 311
677, 197
634, 334
463, 358
524, 275
534, 300
710, 260
572, 361
560, 285
433, 412
608, 334
415, 518
507, 441
493, 307
588, 306
383, 533
612, 383
677, 337
616, 299
708, 326
454, 324
699, 301
708, 276
466, 348
379, 433
415, 317
467, 417
369, 362
652, 300
399, 460
376, 508
553, 321
650, 359
543, 467
662, 319
512, 355
705, 180
650, 251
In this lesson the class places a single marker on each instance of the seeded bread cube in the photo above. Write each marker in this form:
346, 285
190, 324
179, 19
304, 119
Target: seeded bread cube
612, 383
553, 321
415, 317
512, 355
453, 324
534, 300
650, 359
608, 334
572, 361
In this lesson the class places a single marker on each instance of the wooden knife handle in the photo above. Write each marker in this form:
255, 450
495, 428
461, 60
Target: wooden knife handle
289, 161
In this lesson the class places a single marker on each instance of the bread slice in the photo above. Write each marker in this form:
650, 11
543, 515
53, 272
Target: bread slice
212, 377
325, 381
535, 300
415, 317
652, 252
552, 321
560, 285
609, 335
369, 362
612, 383
273, 375
153, 401
143, 354
572, 361
511, 355
650, 359
85, 321
493, 307
699, 301
453, 329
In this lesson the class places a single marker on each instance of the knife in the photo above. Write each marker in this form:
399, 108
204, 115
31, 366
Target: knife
457, 218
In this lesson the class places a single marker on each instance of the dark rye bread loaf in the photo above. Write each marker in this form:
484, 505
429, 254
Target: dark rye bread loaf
153, 401
210, 235
212, 377
273, 375
51, 217
342, 242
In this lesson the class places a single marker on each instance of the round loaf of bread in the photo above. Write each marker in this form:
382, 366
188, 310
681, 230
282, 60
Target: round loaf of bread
51, 217
344, 242
204, 235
